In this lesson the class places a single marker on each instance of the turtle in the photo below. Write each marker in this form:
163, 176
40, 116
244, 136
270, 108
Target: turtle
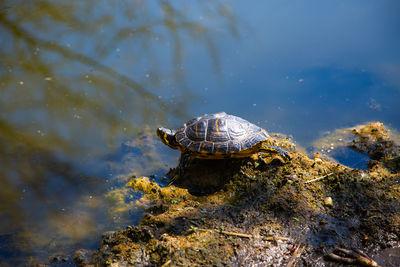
219, 136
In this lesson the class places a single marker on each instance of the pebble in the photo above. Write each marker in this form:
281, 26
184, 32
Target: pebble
328, 202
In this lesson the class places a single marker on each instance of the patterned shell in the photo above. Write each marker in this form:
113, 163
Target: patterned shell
219, 133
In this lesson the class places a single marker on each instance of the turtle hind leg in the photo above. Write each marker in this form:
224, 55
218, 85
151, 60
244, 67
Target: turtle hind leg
276, 149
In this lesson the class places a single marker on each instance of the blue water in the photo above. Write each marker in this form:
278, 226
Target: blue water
78, 79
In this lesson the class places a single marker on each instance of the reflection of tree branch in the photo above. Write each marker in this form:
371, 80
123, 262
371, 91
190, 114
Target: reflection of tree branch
34, 41
11, 136
176, 20
173, 21
48, 116
27, 171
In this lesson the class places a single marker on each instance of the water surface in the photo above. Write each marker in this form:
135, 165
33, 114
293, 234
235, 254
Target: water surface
79, 79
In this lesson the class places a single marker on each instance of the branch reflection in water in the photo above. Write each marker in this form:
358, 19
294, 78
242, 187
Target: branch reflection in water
76, 79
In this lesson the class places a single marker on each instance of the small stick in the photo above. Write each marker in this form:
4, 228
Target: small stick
269, 238
237, 234
295, 255
274, 238
355, 257
227, 233
166, 263
319, 178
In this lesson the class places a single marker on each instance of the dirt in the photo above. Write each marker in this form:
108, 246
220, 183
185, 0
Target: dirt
266, 211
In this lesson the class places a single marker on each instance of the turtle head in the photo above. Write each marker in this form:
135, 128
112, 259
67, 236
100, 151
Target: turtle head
167, 136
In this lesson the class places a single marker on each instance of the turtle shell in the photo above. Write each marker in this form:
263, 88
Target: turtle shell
219, 133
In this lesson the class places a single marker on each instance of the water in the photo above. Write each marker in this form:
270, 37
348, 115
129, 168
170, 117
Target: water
81, 78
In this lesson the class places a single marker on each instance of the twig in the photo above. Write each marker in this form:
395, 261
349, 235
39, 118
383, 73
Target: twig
166, 263
227, 233
268, 238
236, 234
319, 178
295, 255
354, 256
274, 238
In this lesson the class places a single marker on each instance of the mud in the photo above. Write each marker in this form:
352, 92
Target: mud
265, 211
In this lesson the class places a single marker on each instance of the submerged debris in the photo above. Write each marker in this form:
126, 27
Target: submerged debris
264, 211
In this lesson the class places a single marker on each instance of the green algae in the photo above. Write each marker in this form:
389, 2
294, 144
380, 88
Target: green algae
263, 209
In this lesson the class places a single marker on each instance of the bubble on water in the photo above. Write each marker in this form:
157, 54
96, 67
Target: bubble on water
147, 75
40, 132
21, 82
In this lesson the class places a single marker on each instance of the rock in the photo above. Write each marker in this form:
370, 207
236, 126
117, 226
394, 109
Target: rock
328, 202
244, 200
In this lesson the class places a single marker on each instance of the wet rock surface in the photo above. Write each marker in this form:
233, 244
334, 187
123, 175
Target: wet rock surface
374, 140
266, 211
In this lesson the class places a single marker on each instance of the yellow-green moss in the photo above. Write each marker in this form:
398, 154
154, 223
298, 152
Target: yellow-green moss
272, 202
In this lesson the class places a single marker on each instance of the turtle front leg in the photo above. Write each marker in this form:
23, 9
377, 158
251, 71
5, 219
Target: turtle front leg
183, 160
